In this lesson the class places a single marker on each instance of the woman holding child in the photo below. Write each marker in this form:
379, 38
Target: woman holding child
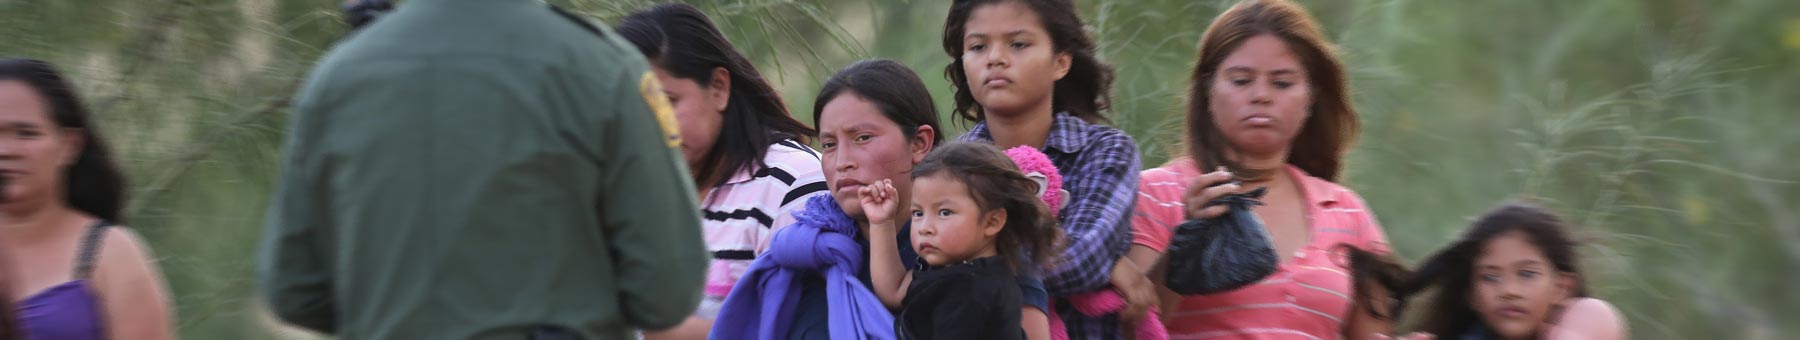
876, 123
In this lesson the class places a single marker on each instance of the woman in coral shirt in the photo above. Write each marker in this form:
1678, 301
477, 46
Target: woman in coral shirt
1268, 108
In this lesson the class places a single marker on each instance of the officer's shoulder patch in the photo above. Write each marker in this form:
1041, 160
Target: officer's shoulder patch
659, 104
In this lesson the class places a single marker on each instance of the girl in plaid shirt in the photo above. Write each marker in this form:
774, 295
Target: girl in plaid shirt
1026, 74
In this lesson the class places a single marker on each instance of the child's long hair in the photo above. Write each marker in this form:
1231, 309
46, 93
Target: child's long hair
1084, 92
1450, 270
1029, 239
1386, 272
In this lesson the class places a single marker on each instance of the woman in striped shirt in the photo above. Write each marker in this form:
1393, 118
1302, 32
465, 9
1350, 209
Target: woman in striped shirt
1268, 108
747, 155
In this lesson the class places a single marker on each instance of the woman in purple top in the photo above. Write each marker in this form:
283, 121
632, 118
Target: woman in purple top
74, 276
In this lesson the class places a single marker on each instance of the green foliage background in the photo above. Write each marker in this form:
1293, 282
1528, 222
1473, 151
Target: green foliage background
1662, 127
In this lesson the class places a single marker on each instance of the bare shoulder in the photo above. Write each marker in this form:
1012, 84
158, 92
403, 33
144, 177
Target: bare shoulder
122, 243
123, 257
1590, 318
136, 301
1591, 309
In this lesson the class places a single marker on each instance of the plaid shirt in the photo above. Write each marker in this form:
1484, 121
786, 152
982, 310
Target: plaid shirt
1099, 165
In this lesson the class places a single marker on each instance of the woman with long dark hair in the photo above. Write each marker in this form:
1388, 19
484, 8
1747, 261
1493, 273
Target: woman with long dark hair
80, 274
747, 155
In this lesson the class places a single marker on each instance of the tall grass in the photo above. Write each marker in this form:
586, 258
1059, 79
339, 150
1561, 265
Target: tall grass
1662, 128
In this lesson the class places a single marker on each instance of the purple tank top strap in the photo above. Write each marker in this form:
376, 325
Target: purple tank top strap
90, 250
69, 311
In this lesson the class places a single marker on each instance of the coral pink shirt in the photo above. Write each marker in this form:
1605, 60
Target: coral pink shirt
1306, 298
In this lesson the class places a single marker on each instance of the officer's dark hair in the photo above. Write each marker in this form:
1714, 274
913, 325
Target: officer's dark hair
359, 13
93, 184
892, 88
682, 41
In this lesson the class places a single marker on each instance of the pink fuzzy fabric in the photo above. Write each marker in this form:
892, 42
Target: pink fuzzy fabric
1030, 159
1097, 303
1107, 302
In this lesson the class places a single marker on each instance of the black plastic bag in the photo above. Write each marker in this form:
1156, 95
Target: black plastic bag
1222, 253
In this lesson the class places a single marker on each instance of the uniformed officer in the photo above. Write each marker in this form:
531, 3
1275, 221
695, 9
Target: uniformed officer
482, 169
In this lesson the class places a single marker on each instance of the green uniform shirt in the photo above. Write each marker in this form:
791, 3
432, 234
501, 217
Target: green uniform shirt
472, 168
